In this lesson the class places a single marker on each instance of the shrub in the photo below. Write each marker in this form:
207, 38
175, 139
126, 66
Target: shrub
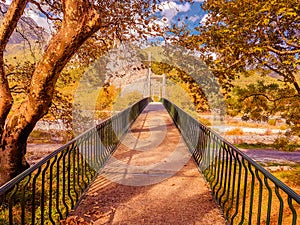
283, 127
272, 122
284, 143
235, 131
204, 121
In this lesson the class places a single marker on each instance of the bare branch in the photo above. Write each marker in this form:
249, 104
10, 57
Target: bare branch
288, 42
2, 11
283, 52
268, 98
270, 67
292, 81
28, 42
17, 90
44, 12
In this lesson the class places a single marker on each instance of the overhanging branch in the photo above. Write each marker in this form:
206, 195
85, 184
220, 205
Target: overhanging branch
44, 12
283, 52
288, 42
267, 97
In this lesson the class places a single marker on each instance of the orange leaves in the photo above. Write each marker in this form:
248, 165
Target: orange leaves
74, 220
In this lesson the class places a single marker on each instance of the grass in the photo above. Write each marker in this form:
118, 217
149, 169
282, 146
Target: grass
291, 177
258, 145
48, 193
246, 195
237, 207
243, 81
18, 53
51, 136
52, 190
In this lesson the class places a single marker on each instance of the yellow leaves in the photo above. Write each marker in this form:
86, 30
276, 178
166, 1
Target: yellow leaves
259, 32
74, 220
106, 98
266, 21
258, 49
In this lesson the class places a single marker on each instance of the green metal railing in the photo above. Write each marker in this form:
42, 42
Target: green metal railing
246, 192
46, 192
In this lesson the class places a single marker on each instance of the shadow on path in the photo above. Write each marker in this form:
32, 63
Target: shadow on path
151, 179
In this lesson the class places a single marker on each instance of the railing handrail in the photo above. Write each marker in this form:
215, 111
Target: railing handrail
89, 152
284, 187
214, 165
43, 161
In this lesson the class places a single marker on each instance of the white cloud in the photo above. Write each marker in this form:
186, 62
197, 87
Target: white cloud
184, 8
194, 18
33, 12
204, 19
41, 21
170, 9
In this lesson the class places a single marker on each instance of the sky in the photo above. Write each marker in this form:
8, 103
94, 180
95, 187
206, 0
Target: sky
170, 12
176, 12
33, 13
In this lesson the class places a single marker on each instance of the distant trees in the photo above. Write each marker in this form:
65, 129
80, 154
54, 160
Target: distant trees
77, 21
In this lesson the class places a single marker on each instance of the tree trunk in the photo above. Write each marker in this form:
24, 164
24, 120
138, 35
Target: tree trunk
12, 158
7, 27
80, 22
5, 96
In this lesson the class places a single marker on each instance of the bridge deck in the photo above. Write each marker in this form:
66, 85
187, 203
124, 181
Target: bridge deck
151, 179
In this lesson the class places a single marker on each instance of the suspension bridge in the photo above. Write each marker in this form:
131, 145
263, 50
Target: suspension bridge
150, 164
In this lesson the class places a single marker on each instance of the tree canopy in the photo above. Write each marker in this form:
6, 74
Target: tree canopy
245, 34
241, 36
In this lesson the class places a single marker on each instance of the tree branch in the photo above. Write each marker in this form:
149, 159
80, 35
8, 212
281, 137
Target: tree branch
17, 90
292, 81
293, 44
43, 11
283, 52
268, 98
29, 44
10, 21
3, 12
270, 67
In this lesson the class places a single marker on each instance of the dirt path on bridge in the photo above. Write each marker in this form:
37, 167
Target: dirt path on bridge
151, 179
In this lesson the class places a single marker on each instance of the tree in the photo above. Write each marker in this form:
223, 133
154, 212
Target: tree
81, 19
262, 100
242, 34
